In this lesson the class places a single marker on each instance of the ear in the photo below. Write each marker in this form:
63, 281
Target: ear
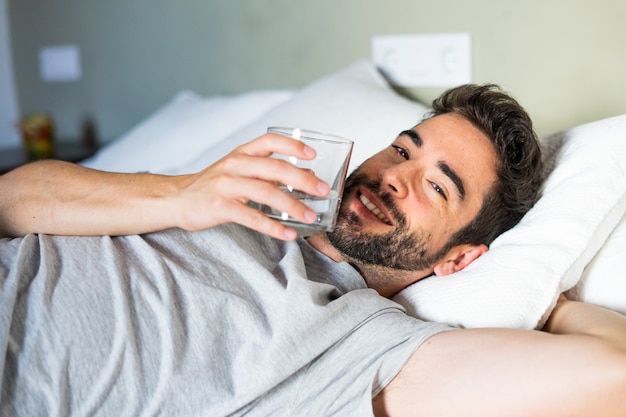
458, 258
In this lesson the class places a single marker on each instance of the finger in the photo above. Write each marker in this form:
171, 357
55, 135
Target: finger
274, 171
271, 143
218, 198
265, 193
256, 220
236, 210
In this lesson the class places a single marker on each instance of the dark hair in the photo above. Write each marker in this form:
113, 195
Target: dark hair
519, 168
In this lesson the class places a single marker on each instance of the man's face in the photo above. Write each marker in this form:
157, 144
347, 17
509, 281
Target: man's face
401, 206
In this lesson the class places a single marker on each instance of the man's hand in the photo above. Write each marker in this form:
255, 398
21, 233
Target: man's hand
221, 192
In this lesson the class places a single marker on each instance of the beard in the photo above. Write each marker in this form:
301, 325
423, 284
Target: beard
399, 249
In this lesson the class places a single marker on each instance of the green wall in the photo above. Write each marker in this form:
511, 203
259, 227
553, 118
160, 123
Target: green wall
565, 60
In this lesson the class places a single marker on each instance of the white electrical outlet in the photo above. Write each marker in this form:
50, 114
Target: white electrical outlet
60, 63
424, 60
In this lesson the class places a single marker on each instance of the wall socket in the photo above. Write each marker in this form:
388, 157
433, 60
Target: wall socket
60, 63
424, 60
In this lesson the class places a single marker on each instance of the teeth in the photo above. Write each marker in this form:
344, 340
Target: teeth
371, 207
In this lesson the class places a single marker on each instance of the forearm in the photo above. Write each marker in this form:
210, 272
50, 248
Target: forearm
56, 197
60, 198
571, 317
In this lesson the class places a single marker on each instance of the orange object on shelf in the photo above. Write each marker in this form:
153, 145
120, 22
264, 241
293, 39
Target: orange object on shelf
38, 135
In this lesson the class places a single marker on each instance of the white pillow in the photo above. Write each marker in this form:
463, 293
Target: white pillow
356, 103
517, 282
181, 129
603, 281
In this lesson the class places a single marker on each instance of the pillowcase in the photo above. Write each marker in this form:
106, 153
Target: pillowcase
517, 282
356, 103
181, 129
603, 281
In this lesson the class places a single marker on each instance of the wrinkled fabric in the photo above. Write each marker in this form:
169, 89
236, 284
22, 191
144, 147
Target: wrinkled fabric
224, 322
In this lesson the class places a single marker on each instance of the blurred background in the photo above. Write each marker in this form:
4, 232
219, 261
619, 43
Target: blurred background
564, 60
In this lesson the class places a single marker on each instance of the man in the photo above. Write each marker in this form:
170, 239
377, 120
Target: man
225, 321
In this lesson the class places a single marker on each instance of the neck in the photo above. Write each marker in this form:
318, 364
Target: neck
320, 242
386, 281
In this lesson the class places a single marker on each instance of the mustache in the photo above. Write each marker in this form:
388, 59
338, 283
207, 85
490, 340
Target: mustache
357, 180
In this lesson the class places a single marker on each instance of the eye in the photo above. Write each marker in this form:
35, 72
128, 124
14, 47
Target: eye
401, 151
439, 190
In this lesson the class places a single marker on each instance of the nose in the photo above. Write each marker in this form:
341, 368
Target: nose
396, 180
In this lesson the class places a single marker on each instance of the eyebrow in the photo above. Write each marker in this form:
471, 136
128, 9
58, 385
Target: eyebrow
445, 168
414, 137
449, 172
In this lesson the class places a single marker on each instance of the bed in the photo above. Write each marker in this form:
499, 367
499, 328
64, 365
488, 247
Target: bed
571, 241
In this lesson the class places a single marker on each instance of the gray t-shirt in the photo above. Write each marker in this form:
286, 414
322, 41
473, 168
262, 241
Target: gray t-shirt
215, 323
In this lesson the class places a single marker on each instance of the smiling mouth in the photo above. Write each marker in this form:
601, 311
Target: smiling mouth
375, 210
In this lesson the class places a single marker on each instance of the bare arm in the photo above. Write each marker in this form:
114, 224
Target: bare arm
580, 371
60, 198
576, 318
